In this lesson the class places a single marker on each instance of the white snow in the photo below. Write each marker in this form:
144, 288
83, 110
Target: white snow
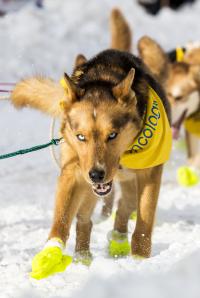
46, 42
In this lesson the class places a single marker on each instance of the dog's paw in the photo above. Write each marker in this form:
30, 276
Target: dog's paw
49, 261
83, 257
141, 245
187, 176
118, 245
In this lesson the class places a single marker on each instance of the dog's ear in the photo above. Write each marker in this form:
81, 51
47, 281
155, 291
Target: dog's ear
73, 92
154, 57
122, 91
80, 60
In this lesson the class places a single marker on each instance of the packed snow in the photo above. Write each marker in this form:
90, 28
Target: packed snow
46, 41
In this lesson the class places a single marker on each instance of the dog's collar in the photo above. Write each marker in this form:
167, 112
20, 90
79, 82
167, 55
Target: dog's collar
177, 55
152, 146
180, 52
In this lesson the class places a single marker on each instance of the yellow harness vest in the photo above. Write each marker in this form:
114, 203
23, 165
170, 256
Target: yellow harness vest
152, 146
193, 126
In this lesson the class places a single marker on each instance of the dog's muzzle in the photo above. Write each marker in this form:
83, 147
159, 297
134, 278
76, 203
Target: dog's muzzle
102, 189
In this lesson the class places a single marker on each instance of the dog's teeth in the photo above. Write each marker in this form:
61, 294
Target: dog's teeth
102, 188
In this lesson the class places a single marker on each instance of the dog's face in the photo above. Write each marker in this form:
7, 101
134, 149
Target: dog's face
182, 91
100, 126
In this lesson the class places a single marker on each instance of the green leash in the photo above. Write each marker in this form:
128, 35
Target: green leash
55, 142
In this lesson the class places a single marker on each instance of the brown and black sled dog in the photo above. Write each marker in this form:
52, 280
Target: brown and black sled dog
181, 81
103, 110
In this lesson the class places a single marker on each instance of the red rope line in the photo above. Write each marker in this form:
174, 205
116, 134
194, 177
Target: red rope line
7, 84
6, 91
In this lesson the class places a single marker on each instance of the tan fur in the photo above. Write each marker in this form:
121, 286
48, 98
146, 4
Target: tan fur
121, 35
146, 190
192, 57
180, 87
154, 57
127, 203
192, 144
84, 223
182, 76
39, 93
149, 181
180, 79
94, 151
123, 89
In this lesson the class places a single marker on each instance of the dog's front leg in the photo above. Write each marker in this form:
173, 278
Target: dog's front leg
52, 259
66, 206
192, 144
148, 190
118, 242
127, 204
84, 227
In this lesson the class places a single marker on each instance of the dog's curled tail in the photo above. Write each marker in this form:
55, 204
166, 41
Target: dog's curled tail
40, 93
120, 31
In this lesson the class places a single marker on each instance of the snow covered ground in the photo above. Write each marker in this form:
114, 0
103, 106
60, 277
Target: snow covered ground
46, 42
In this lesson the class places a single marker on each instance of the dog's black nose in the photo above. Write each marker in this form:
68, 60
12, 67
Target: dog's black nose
97, 175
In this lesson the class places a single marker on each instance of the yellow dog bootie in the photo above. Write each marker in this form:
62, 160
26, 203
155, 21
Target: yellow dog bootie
50, 260
187, 176
118, 244
133, 215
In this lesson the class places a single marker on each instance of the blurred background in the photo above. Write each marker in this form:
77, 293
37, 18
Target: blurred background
45, 35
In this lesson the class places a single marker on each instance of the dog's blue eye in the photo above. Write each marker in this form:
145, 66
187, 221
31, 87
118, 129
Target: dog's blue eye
112, 136
80, 137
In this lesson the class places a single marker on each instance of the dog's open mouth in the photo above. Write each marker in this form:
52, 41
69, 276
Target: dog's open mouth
102, 189
177, 125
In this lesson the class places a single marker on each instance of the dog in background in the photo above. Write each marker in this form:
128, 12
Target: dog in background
181, 81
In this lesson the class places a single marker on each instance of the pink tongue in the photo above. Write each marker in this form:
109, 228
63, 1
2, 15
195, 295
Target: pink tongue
175, 133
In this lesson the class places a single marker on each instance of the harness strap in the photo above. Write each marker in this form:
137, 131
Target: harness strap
176, 55
179, 54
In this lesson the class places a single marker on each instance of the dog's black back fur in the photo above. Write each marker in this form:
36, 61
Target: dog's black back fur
111, 66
